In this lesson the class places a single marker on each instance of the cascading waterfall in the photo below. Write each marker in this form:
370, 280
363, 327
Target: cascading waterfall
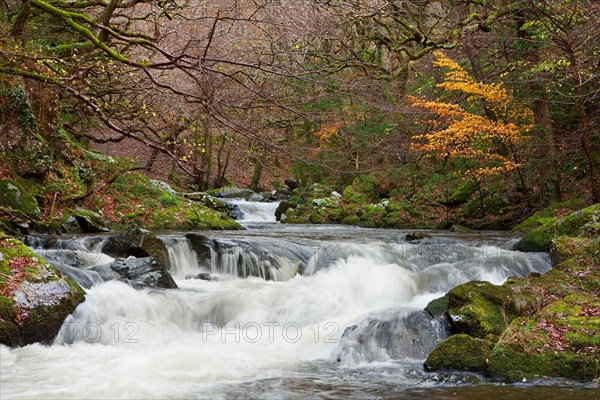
278, 309
74, 257
254, 211
182, 258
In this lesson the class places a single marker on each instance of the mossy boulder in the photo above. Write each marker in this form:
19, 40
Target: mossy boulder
354, 196
439, 306
456, 228
282, 208
34, 298
90, 221
13, 197
585, 221
538, 219
481, 309
540, 326
460, 352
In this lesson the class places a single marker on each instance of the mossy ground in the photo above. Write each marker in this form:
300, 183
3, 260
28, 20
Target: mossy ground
134, 200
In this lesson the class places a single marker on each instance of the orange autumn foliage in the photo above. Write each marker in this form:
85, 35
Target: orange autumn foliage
491, 139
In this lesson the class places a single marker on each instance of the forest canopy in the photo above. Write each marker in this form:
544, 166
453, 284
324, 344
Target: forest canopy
209, 93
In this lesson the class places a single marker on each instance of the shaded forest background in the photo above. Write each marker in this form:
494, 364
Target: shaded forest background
206, 94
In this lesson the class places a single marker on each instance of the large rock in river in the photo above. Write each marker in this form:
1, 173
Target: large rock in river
140, 273
137, 243
34, 298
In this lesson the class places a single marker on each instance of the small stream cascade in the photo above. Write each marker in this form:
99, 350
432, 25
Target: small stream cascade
391, 335
437, 265
278, 303
254, 211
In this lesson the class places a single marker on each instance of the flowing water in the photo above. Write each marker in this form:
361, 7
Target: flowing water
281, 312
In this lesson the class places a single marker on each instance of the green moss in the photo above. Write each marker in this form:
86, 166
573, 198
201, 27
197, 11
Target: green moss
575, 223
544, 325
9, 334
351, 220
438, 306
461, 229
159, 209
462, 193
460, 352
43, 321
353, 196
560, 341
535, 221
512, 364
481, 309
7, 309
15, 198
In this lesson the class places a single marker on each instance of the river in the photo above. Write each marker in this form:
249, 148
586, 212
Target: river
269, 317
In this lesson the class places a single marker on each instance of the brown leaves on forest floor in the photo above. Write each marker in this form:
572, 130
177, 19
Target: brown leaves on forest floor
556, 339
589, 311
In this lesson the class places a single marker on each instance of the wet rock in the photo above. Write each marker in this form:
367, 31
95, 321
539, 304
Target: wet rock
144, 272
90, 222
137, 243
257, 197
205, 276
393, 334
281, 194
202, 245
291, 184
283, 207
416, 236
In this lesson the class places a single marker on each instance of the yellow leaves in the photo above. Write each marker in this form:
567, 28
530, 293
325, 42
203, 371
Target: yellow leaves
327, 131
462, 134
457, 79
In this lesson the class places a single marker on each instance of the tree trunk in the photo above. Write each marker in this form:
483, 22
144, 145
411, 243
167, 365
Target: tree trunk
590, 149
20, 24
258, 168
548, 142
